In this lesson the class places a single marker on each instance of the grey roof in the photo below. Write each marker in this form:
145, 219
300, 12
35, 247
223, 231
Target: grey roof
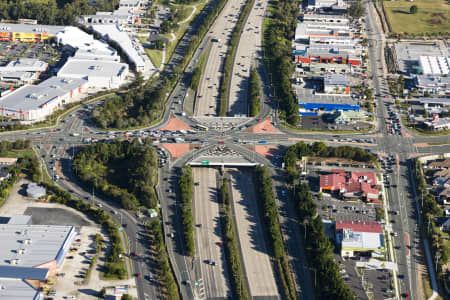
23, 272
26, 28
31, 97
20, 220
444, 101
331, 99
32, 245
336, 79
432, 80
17, 289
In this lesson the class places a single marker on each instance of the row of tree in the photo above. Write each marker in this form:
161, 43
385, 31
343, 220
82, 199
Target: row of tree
165, 273
143, 103
196, 75
277, 39
224, 88
429, 211
320, 149
53, 12
186, 184
114, 267
271, 220
319, 249
125, 172
254, 93
233, 259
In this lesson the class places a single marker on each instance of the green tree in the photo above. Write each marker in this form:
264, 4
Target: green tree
413, 9
127, 297
356, 10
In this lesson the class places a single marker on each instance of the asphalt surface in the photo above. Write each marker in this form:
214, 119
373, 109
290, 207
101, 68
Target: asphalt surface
208, 235
248, 49
207, 101
255, 255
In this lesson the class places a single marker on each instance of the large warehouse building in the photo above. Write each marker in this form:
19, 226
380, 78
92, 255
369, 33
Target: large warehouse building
30, 254
98, 73
36, 102
27, 33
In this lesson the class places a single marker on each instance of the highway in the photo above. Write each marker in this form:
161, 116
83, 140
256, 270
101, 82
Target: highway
208, 235
255, 255
248, 51
220, 32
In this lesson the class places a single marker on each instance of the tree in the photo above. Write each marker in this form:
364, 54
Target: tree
356, 10
165, 26
127, 297
413, 9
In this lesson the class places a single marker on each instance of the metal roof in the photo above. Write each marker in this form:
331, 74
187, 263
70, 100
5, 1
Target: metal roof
32, 245
444, 101
27, 28
20, 220
336, 79
17, 289
23, 272
84, 68
31, 97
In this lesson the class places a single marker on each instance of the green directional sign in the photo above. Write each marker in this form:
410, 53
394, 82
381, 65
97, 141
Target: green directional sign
205, 162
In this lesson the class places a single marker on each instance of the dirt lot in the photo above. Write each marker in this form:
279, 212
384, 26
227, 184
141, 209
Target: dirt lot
74, 268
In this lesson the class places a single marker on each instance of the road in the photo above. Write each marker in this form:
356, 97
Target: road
248, 50
208, 234
255, 255
207, 101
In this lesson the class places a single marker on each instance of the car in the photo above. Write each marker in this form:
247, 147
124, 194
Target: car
401, 276
138, 275
70, 257
99, 205
405, 295
135, 253
212, 263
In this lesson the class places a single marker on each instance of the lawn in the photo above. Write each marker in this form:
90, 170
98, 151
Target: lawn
155, 56
433, 16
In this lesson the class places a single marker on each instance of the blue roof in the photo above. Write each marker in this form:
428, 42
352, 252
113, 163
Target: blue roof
19, 272
329, 106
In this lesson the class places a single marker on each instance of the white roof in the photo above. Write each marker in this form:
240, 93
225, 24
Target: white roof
361, 240
435, 65
97, 54
83, 68
41, 243
29, 97
130, 48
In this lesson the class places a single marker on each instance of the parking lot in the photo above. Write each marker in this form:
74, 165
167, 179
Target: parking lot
14, 50
325, 122
331, 208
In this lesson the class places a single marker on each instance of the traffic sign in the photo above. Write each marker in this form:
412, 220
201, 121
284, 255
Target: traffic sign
205, 162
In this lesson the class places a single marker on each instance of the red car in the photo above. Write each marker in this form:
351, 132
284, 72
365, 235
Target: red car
406, 295
138, 275
221, 142
135, 253
259, 120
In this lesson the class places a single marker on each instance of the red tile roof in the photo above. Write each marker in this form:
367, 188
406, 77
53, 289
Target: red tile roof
350, 182
359, 226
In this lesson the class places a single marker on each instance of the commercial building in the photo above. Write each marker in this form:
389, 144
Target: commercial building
132, 49
27, 32
107, 18
347, 185
432, 84
435, 65
336, 84
360, 238
98, 73
326, 103
325, 18
348, 117
23, 70
332, 4
25, 65
36, 102
434, 105
437, 123
107, 54
407, 55
30, 254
